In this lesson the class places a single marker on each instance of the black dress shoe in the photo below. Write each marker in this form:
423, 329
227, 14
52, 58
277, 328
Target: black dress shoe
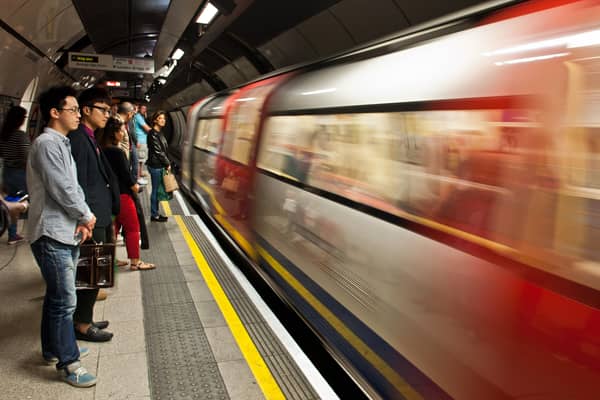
93, 334
160, 218
100, 324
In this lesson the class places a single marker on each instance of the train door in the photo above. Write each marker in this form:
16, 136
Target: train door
237, 159
191, 133
207, 132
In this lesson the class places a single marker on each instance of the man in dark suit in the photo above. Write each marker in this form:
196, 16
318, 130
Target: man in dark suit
101, 194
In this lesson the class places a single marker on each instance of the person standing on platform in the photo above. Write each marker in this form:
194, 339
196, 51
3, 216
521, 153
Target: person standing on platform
133, 158
14, 146
59, 219
141, 130
125, 112
128, 217
157, 161
101, 191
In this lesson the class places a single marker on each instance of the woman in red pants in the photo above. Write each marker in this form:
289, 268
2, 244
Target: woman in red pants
127, 218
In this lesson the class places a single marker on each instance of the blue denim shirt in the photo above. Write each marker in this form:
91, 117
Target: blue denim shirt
57, 202
138, 124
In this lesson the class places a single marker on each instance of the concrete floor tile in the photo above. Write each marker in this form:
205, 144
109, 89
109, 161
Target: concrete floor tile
20, 328
127, 283
210, 314
191, 272
177, 239
123, 309
240, 383
199, 291
128, 338
223, 344
185, 259
122, 376
42, 381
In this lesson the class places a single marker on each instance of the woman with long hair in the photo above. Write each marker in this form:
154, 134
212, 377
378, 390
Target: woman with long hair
128, 188
157, 161
14, 148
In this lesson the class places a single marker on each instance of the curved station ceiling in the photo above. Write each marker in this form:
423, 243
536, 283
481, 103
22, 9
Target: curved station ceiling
245, 39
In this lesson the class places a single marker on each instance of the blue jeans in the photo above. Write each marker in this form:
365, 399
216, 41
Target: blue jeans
156, 176
58, 262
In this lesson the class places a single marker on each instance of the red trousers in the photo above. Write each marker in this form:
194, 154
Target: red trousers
128, 219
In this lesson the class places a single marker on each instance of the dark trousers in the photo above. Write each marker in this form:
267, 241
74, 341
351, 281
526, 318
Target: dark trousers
86, 298
133, 160
14, 182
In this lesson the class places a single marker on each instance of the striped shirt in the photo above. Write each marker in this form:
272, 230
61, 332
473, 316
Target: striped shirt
15, 150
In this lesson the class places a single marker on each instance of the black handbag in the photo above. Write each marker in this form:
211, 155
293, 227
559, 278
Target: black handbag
95, 268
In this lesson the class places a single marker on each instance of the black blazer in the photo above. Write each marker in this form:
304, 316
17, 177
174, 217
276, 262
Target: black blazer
120, 166
95, 177
157, 150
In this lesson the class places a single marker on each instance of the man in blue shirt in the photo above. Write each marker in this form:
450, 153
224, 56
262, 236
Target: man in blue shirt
59, 220
141, 130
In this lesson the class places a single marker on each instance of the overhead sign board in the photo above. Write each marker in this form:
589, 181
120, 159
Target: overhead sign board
117, 84
107, 62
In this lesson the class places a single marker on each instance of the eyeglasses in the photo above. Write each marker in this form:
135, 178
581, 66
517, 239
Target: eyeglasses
105, 110
74, 110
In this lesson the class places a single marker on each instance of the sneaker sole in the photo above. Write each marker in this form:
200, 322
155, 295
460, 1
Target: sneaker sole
80, 385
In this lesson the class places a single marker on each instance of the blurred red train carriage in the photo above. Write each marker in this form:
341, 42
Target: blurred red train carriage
429, 204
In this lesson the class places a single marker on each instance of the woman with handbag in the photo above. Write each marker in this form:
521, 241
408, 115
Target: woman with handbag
158, 162
128, 187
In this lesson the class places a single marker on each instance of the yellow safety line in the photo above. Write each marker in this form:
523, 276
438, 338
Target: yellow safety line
388, 372
241, 240
210, 192
237, 236
261, 372
166, 207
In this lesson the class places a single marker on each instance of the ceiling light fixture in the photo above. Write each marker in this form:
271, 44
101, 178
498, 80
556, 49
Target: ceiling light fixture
208, 13
177, 54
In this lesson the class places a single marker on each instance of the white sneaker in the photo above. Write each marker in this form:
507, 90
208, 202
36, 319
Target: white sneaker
142, 181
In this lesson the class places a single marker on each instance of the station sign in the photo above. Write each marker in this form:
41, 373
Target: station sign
116, 84
107, 62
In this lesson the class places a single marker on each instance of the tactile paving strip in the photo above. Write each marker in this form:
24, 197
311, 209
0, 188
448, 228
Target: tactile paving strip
181, 364
175, 207
285, 371
183, 367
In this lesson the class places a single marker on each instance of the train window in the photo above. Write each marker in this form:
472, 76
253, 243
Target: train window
285, 139
500, 175
208, 134
422, 163
243, 123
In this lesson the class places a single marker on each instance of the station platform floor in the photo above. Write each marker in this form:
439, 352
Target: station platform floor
193, 328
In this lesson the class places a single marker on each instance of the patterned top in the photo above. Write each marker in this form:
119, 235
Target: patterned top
15, 150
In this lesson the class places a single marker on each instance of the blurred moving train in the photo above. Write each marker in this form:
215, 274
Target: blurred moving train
429, 204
